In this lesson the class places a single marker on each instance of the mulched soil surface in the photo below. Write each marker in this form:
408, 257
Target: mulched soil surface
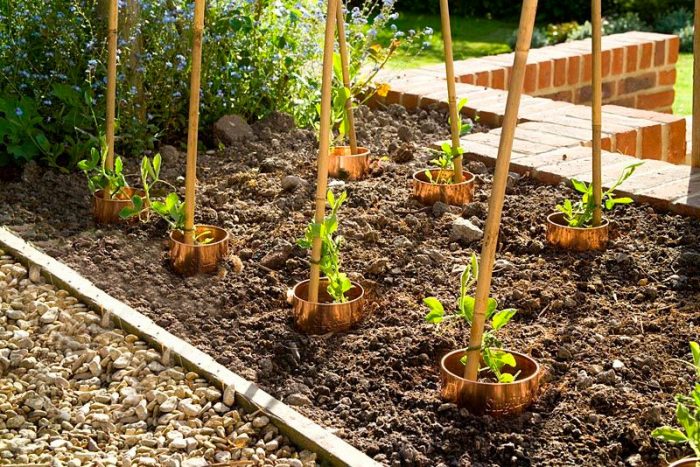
606, 326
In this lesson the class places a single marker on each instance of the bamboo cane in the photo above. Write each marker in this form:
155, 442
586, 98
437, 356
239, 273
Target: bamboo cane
112, 20
695, 150
451, 92
192, 132
345, 65
597, 84
324, 146
488, 251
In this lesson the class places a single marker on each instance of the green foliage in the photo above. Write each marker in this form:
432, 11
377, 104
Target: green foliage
679, 22
446, 155
539, 39
687, 412
629, 21
580, 213
494, 358
338, 282
100, 177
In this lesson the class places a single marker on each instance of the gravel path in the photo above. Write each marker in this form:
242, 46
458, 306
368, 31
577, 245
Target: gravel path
75, 391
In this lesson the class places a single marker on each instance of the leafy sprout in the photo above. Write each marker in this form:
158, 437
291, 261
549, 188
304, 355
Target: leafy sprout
338, 282
494, 358
447, 154
102, 178
687, 412
580, 213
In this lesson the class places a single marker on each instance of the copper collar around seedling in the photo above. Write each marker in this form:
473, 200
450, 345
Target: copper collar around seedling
325, 316
559, 234
106, 210
344, 164
490, 398
191, 259
456, 194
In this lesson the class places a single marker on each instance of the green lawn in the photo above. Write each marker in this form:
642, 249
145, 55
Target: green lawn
683, 105
471, 37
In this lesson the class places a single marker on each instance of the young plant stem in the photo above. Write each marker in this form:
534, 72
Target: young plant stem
451, 92
344, 64
597, 83
192, 133
488, 251
113, 21
695, 155
324, 146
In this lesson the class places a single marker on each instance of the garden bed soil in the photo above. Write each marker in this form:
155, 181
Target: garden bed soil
605, 325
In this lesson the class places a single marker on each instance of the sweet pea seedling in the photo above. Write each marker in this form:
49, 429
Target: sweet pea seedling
338, 282
494, 358
100, 177
687, 412
580, 213
447, 154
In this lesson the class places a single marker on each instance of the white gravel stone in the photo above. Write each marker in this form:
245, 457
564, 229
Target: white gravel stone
75, 391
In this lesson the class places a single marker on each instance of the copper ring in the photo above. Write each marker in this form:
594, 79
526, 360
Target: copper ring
106, 211
491, 398
191, 259
456, 194
342, 163
559, 234
325, 316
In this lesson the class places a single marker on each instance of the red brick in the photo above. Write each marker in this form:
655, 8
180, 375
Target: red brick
647, 53
573, 72
498, 79
467, 79
618, 60
482, 78
637, 83
606, 62
624, 101
667, 77
677, 149
652, 144
567, 95
530, 84
673, 46
587, 68
545, 76
631, 57
657, 100
560, 72
660, 53
626, 142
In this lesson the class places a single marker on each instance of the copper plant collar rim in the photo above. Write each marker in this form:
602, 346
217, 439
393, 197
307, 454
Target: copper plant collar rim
98, 195
687, 462
361, 152
349, 302
550, 219
225, 238
535, 374
469, 177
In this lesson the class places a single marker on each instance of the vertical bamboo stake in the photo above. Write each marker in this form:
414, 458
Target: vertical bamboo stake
192, 132
324, 145
695, 154
451, 93
113, 20
488, 251
345, 65
597, 84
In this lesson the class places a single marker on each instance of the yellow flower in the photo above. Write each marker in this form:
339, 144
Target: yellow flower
383, 89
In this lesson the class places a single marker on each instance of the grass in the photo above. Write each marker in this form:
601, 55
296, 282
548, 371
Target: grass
683, 105
471, 37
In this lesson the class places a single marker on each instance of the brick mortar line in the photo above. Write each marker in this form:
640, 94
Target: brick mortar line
298, 428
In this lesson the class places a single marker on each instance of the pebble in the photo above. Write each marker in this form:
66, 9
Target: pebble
298, 400
95, 395
465, 231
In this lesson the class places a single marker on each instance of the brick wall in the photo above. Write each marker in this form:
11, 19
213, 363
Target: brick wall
639, 71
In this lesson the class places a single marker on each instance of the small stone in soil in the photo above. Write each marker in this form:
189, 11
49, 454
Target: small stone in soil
405, 133
297, 399
463, 230
292, 183
440, 208
477, 167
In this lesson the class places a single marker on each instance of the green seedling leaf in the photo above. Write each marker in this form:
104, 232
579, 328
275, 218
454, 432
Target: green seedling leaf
669, 434
437, 311
502, 318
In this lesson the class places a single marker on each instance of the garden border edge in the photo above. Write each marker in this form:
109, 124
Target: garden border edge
299, 429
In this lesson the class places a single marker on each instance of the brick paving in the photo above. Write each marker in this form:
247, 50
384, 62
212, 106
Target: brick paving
553, 137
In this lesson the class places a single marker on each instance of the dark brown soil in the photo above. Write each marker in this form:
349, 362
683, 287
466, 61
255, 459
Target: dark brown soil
634, 306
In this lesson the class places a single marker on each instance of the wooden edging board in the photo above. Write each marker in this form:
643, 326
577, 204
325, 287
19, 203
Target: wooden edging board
303, 432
